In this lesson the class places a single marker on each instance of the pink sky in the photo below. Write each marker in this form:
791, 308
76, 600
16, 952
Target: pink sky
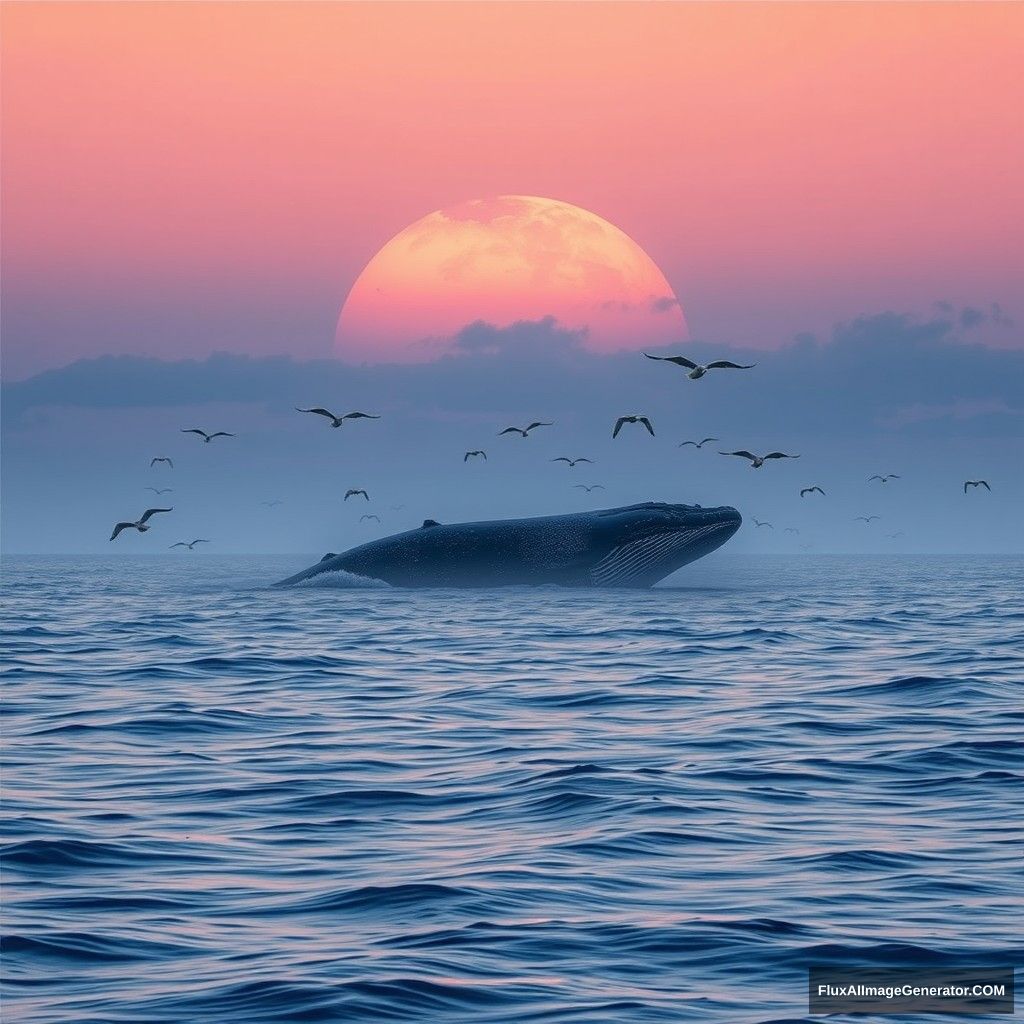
180, 178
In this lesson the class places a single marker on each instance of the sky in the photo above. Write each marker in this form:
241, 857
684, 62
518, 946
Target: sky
191, 191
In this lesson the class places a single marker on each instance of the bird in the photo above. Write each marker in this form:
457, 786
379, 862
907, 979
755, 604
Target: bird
142, 524
477, 452
572, 462
884, 479
160, 458
757, 461
811, 490
865, 519
976, 483
271, 504
190, 546
336, 421
632, 419
524, 430
757, 522
592, 487
352, 491
160, 490
696, 370
696, 444
204, 435
790, 529
369, 515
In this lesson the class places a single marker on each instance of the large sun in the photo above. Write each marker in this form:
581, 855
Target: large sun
503, 260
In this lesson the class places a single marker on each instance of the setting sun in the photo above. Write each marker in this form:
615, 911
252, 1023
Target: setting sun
501, 260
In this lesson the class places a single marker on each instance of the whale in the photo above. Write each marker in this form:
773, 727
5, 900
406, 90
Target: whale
632, 546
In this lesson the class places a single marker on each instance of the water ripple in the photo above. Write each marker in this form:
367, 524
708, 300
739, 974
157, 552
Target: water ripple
228, 803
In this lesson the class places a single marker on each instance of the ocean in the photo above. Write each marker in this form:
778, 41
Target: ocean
229, 803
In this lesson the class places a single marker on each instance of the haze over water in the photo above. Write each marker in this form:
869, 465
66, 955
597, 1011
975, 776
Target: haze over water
236, 804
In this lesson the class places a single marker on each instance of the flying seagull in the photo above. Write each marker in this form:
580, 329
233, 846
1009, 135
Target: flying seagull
757, 522
476, 453
592, 487
884, 479
160, 458
757, 461
271, 504
336, 421
812, 490
370, 515
632, 419
524, 430
572, 462
865, 519
204, 435
696, 444
143, 523
186, 544
696, 370
160, 490
352, 491
976, 483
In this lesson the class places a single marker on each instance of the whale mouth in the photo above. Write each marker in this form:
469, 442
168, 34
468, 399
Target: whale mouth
674, 536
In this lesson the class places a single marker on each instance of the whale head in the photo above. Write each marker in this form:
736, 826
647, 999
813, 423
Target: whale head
645, 543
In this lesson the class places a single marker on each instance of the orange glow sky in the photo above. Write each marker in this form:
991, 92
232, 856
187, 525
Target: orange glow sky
180, 178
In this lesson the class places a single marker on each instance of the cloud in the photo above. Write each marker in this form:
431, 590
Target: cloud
524, 339
869, 376
883, 393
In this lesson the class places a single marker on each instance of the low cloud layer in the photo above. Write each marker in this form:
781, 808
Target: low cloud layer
885, 393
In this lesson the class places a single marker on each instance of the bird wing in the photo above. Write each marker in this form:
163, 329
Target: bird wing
984, 483
591, 461
465, 458
537, 423
706, 439
178, 544
780, 455
195, 430
647, 423
683, 444
359, 416
875, 477
153, 511
200, 540
562, 458
221, 433
724, 364
742, 455
618, 425
510, 430
319, 411
597, 487
678, 360
120, 527
969, 483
